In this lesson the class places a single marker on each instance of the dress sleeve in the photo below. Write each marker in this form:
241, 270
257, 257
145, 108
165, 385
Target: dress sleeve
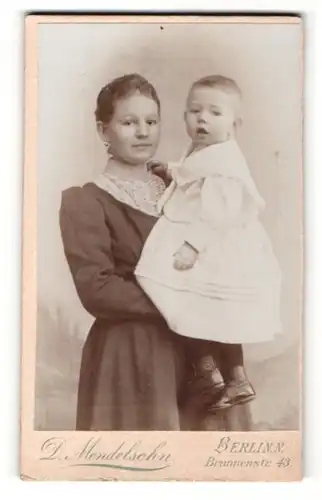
222, 206
87, 246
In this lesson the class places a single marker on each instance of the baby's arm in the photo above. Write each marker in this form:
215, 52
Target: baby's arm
186, 255
222, 202
221, 208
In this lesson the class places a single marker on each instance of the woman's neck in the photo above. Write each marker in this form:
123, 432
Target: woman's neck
125, 170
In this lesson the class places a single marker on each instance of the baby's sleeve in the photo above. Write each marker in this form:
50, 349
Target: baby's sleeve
222, 201
172, 167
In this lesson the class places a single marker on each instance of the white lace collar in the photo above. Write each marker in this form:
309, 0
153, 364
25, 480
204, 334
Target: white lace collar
141, 194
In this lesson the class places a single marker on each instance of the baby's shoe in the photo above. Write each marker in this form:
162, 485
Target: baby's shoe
235, 393
206, 382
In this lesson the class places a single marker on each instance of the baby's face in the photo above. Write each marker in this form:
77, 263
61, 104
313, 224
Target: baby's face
210, 115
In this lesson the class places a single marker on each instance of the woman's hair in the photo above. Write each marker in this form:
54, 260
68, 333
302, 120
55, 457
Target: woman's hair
120, 88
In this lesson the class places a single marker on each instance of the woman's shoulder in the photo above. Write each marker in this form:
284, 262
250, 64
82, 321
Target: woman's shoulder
74, 195
83, 198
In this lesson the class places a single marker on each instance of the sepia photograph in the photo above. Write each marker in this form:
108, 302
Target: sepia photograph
163, 243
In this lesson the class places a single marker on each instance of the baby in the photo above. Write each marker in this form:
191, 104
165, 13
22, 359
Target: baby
208, 264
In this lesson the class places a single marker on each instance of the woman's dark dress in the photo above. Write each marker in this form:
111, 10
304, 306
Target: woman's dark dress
132, 365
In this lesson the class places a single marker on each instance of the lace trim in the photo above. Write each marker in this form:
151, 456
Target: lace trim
140, 194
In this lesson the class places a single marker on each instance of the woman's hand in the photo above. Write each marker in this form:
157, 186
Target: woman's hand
159, 168
185, 257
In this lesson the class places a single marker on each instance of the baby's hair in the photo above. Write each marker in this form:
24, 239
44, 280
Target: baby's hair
219, 81
120, 88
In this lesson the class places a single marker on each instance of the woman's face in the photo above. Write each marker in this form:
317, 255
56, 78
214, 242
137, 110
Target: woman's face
134, 131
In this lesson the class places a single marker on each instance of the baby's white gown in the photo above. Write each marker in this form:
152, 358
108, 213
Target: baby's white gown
232, 293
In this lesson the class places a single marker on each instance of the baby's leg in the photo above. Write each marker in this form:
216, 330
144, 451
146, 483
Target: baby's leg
232, 362
238, 389
206, 381
203, 354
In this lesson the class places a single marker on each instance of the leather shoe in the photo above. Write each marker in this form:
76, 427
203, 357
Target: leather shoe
235, 393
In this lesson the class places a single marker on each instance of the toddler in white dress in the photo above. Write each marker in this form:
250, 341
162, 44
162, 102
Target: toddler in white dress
208, 264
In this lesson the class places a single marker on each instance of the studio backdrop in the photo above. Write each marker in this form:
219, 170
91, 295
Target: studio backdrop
75, 61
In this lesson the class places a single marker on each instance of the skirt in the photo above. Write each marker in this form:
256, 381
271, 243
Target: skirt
129, 378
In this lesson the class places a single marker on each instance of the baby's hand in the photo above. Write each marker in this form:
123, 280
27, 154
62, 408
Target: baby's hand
185, 257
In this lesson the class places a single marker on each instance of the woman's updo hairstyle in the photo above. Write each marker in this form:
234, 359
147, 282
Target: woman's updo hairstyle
120, 88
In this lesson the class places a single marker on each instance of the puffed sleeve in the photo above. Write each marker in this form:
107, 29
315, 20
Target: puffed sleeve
223, 204
87, 246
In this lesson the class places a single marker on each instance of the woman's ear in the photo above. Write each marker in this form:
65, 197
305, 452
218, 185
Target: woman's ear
102, 131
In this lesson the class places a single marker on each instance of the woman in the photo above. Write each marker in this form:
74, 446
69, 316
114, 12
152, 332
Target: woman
132, 364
